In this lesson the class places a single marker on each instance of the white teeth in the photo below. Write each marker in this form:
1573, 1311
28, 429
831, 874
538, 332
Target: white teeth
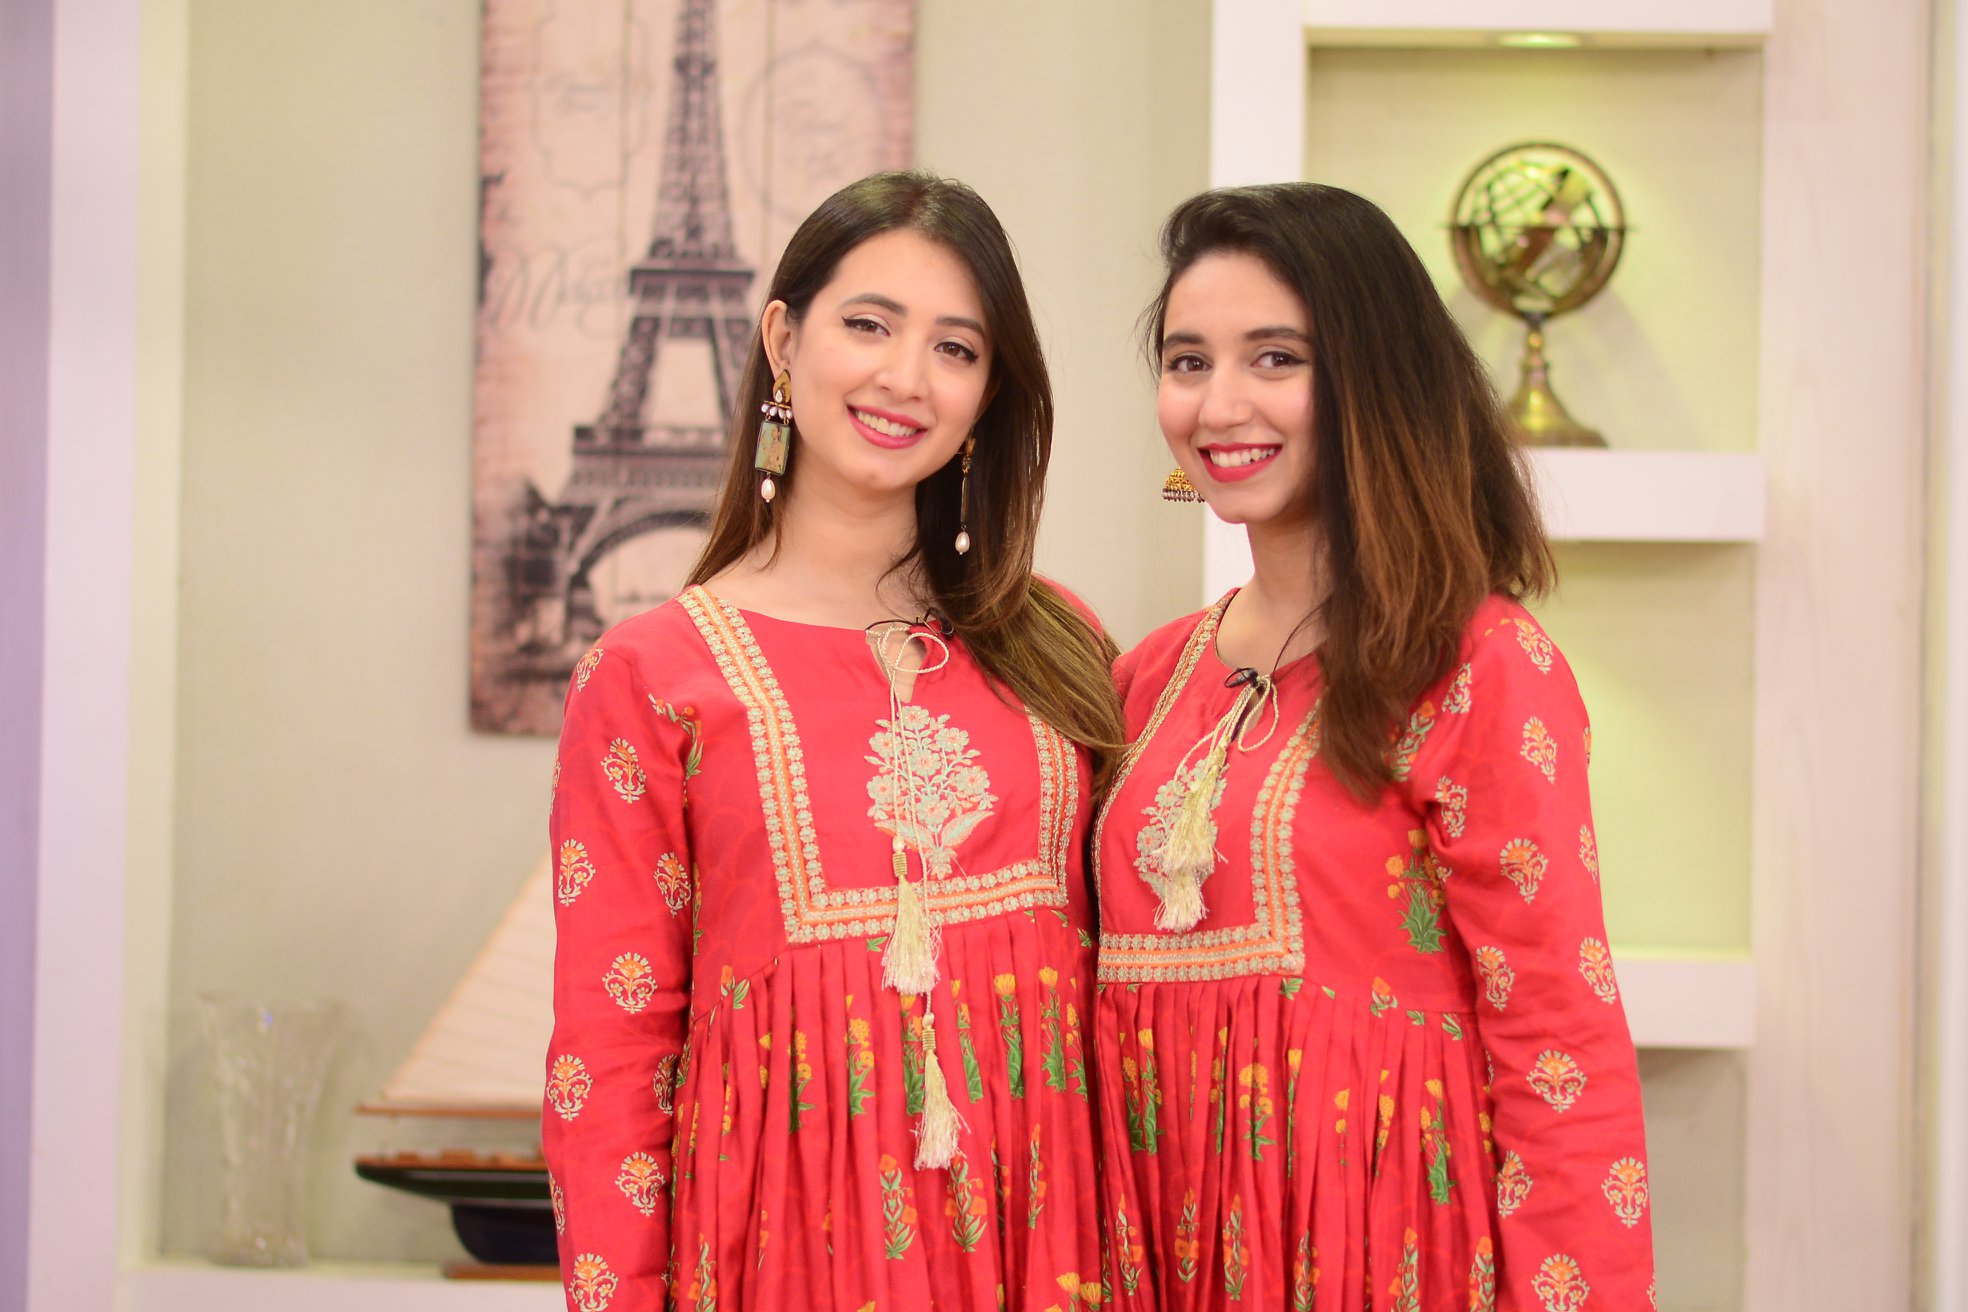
1236, 459
886, 427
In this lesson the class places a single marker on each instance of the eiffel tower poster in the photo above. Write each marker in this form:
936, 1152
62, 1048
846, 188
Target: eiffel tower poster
642, 164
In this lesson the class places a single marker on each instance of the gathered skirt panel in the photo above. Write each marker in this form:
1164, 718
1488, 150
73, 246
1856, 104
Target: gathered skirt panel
797, 1114
1276, 1144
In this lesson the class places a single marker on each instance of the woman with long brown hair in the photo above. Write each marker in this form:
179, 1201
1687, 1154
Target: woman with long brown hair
824, 934
1360, 1039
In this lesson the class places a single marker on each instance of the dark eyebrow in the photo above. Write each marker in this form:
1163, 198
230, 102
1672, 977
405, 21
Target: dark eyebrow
1182, 339
1277, 330
896, 307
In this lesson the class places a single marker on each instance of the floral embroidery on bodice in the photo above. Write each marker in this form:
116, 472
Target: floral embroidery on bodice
928, 789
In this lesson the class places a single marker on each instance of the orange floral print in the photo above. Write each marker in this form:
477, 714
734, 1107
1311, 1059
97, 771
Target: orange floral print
1596, 965
1626, 1190
1456, 700
1561, 1284
1453, 798
1589, 852
1541, 749
1513, 1184
1401, 763
673, 882
568, 1086
624, 771
585, 668
640, 1180
1483, 1278
1538, 647
1524, 866
592, 1284
1557, 1079
576, 871
1497, 976
631, 982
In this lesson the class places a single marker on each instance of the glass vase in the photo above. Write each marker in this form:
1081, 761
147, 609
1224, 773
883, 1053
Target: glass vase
269, 1061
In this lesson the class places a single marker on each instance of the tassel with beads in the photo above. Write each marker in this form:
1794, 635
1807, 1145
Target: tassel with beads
909, 960
936, 1132
1188, 855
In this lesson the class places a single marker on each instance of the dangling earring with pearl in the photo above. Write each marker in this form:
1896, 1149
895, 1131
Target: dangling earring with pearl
775, 434
963, 498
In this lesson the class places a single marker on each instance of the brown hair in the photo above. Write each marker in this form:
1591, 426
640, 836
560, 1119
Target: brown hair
1422, 500
1023, 632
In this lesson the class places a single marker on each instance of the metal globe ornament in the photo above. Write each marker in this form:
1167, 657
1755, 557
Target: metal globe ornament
1537, 231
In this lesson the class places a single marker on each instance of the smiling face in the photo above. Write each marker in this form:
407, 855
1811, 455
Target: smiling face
1235, 397
890, 367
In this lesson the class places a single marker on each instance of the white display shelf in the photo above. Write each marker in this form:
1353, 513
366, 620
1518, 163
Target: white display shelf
1419, 23
1594, 496
1650, 496
1687, 1000
192, 1286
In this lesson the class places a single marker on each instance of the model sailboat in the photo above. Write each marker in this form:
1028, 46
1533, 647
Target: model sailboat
483, 1058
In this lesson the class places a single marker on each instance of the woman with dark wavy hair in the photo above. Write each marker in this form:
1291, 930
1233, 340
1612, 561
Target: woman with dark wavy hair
824, 932
1360, 1038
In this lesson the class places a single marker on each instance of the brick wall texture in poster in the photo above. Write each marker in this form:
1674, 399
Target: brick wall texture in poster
643, 163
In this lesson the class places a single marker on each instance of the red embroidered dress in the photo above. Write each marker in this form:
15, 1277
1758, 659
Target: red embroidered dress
1389, 1069
732, 1095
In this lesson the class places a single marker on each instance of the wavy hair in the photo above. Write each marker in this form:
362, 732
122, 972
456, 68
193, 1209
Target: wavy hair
1026, 634
1420, 494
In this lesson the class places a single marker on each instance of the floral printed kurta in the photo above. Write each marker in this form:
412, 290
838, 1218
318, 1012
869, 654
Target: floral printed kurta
732, 1095
1389, 1069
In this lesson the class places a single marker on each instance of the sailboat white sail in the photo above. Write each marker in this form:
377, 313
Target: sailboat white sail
484, 1053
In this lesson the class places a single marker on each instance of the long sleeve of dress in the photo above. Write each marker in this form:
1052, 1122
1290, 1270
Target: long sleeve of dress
623, 880
1498, 761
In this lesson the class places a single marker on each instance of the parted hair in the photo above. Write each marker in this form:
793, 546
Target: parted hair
1025, 633
1420, 495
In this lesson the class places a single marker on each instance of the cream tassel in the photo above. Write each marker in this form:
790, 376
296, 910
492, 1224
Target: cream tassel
1188, 855
909, 960
936, 1132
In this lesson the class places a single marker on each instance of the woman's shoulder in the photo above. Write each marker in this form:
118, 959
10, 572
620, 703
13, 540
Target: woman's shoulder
1503, 629
656, 640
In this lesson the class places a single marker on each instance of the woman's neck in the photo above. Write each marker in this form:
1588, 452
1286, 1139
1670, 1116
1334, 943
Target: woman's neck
835, 562
1273, 619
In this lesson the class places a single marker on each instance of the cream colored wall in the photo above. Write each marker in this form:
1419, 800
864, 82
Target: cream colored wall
338, 829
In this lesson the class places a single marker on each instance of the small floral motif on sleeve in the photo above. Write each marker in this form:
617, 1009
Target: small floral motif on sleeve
559, 1202
576, 871
1524, 866
1538, 647
1401, 764
1588, 747
1626, 1190
640, 1180
1589, 851
1557, 1079
1513, 1184
1456, 700
1596, 965
568, 1086
1453, 798
631, 982
585, 668
673, 882
1496, 974
1540, 748
593, 1284
1561, 1284
624, 770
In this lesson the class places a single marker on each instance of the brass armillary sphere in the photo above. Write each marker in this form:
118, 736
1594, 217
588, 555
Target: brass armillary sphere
1537, 231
